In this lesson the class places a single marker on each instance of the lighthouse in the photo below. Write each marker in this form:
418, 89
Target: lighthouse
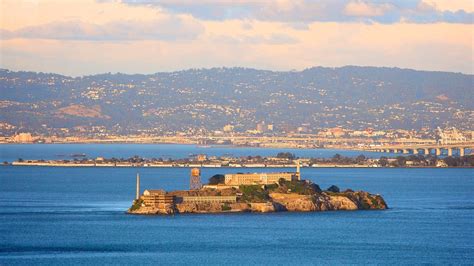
138, 187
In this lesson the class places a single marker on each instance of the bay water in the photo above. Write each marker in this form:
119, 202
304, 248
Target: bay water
55, 215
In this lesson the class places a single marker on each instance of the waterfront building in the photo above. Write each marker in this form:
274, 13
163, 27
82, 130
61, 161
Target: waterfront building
200, 199
201, 157
157, 198
23, 138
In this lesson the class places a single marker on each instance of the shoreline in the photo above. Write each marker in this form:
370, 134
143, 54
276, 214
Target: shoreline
282, 147
211, 167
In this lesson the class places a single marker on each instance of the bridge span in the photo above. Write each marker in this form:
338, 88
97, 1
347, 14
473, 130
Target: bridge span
425, 148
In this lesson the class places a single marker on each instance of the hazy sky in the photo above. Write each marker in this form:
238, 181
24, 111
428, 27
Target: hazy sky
77, 37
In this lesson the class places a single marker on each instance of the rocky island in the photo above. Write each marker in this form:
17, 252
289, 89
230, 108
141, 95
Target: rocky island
253, 192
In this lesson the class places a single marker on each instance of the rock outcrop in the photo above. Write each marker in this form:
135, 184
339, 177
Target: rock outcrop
329, 201
262, 207
294, 202
152, 210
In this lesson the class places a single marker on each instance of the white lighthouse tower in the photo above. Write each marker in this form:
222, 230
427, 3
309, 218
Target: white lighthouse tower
298, 174
138, 187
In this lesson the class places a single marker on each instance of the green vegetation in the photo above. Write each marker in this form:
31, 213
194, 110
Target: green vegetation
334, 189
383, 161
428, 160
271, 187
136, 205
298, 186
365, 205
226, 207
254, 193
216, 179
377, 201
374, 201
339, 159
459, 161
286, 155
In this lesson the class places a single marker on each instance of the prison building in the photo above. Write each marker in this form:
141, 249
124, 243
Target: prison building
201, 199
156, 198
258, 178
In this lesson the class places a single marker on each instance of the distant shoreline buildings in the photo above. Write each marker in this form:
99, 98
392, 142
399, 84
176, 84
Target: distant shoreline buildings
332, 138
282, 160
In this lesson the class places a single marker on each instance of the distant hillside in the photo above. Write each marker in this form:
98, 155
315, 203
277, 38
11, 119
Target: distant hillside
207, 99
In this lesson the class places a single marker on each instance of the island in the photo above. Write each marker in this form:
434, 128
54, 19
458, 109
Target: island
252, 192
281, 160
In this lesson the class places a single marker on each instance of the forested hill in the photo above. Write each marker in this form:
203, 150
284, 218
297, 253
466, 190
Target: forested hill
319, 97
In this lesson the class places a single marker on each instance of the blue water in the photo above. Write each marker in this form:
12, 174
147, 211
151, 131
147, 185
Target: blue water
76, 215
12, 152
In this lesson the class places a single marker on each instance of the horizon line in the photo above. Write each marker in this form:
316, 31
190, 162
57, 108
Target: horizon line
234, 67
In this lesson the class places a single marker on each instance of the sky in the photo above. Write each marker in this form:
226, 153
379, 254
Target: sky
81, 37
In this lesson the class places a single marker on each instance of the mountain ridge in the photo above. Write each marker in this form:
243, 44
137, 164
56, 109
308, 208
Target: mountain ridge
209, 98
235, 67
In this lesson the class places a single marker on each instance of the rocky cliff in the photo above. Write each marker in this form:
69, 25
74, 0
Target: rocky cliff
328, 201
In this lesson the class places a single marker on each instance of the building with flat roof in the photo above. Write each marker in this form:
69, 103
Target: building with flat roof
258, 178
157, 198
261, 178
201, 199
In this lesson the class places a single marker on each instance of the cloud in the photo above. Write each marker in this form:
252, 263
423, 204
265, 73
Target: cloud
5, 34
277, 35
272, 39
443, 46
171, 28
307, 11
281, 39
362, 9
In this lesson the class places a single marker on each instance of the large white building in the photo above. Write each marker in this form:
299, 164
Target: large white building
258, 178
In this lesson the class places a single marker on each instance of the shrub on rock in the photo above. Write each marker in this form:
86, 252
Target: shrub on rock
334, 189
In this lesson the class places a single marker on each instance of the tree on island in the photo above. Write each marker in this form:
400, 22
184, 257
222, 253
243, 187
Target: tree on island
334, 189
216, 179
401, 161
452, 161
360, 159
336, 158
286, 155
383, 161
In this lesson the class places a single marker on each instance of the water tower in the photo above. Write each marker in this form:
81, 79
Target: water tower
195, 179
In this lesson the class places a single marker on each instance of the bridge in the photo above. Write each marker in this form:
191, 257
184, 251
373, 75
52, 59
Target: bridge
425, 148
